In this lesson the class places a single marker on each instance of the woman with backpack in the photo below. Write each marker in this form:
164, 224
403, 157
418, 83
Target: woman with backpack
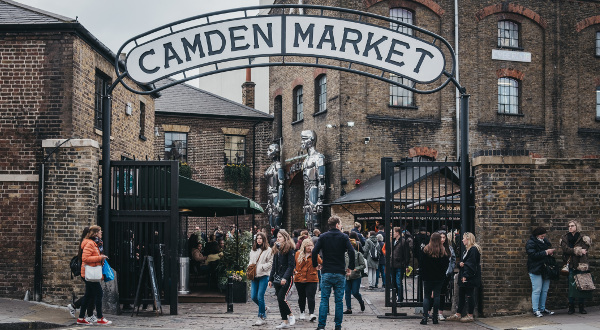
76, 304
353, 280
92, 255
373, 252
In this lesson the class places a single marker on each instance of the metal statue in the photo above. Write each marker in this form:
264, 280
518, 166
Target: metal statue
275, 178
314, 181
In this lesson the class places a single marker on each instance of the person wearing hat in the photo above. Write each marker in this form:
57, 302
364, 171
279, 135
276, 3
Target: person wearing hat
539, 250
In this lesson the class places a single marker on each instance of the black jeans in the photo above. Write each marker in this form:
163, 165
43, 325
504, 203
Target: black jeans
306, 291
93, 295
465, 294
281, 291
429, 287
90, 306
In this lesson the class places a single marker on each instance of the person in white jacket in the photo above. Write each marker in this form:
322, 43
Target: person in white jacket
263, 258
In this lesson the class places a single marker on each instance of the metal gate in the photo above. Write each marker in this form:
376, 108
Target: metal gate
144, 221
422, 197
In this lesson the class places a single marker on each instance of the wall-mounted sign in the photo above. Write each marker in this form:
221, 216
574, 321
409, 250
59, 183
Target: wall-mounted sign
509, 55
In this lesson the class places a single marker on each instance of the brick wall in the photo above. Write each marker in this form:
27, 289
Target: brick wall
513, 196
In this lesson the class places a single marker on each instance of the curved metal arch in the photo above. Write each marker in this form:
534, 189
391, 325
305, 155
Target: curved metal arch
450, 75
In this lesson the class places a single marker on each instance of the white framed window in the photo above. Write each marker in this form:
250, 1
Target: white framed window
400, 96
298, 103
508, 96
321, 93
176, 146
598, 43
598, 102
508, 34
235, 149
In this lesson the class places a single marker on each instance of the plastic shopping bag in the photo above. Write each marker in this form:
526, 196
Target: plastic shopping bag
108, 272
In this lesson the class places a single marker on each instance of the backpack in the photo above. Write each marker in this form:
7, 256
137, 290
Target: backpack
374, 252
75, 266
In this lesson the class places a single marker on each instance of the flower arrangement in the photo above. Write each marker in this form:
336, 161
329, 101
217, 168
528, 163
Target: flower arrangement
235, 258
238, 276
236, 174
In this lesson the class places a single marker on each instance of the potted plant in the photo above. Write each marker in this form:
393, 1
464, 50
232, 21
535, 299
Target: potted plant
236, 175
234, 262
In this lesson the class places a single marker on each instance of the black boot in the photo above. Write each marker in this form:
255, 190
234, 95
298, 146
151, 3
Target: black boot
582, 309
434, 318
571, 309
362, 305
424, 320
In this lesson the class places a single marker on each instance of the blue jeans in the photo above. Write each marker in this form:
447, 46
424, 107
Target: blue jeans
380, 269
539, 292
352, 289
257, 293
397, 275
337, 282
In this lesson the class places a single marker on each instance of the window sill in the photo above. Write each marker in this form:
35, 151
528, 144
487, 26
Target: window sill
319, 113
143, 138
410, 107
511, 114
99, 132
297, 121
597, 118
511, 48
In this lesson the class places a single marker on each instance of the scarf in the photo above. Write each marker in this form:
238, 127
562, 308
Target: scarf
99, 243
572, 239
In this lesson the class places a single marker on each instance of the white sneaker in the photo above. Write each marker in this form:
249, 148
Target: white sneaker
92, 319
266, 311
441, 317
292, 319
302, 316
260, 321
283, 325
538, 314
312, 317
71, 310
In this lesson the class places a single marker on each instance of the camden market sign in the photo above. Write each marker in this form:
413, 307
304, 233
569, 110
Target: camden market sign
374, 44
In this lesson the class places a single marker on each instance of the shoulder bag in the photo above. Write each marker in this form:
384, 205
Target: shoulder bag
251, 271
93, 273
584, 282
551, 270
565, 269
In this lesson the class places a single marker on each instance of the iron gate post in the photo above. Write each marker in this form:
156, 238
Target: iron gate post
464, 164
106, 186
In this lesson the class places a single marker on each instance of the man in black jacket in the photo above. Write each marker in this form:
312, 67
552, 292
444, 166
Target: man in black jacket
333, 245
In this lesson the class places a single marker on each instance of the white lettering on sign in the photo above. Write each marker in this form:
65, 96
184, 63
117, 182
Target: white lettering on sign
508, 55
361, 43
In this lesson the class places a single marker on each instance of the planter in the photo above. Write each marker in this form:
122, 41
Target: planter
240, 292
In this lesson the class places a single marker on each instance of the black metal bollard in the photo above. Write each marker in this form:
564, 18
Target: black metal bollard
230, 294
394, 300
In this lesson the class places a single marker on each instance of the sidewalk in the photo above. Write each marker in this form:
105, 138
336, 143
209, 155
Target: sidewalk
18, 314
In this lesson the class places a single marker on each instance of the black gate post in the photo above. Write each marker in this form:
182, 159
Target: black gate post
106, 186
464, 164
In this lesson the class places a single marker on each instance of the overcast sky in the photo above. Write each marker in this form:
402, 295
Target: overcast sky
115, 21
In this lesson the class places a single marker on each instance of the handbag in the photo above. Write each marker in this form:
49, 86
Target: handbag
276, 279
251, 271
584, 282
93, 273
108, 273
565, 269
551, 270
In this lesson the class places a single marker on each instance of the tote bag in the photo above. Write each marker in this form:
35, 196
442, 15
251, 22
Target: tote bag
93, 273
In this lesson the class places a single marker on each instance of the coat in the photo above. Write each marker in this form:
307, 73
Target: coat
536, 254
304, 271
433, 269
471, 270
369, 244
401, 254
90, 255
263, 261
578, 260
283, 265
359, 266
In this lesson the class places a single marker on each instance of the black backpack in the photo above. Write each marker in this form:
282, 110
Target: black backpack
75, 265
374, 252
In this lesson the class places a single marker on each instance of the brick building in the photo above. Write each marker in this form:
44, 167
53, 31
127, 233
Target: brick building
531, 69
213, 134
52, 72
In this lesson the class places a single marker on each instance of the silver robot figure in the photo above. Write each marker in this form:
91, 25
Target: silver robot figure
314, 181
275, 178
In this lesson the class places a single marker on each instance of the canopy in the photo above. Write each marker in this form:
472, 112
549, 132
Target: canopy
207, 201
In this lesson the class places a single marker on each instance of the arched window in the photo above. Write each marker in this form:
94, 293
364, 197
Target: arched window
400, 96
508, 34
598, 103
278, 114
508, 96
298, 104
321, 93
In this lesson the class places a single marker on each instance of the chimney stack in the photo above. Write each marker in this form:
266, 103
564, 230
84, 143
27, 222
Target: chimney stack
248, 90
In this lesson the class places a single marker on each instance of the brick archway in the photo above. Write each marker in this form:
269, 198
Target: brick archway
592, 20
507, 7
510, 73
432, 5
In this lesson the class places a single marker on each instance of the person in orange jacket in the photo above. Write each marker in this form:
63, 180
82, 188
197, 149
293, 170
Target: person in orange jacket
92, 255
306, 279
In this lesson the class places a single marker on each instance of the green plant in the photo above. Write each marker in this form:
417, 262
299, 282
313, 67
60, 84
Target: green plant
235, 256
236, 175
185, 170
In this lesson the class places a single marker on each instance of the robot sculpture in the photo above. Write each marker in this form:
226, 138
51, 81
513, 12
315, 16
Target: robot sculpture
275, 178
314, 181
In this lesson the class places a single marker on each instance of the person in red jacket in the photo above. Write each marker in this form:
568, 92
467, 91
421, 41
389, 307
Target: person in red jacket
306, 279
92, 255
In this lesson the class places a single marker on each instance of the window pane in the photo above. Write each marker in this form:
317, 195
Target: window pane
321, 92
101, 85
598, 102
508, 96
176, 146
402, 15
400, 96
598, 43
235, 149
508, 34
298, 104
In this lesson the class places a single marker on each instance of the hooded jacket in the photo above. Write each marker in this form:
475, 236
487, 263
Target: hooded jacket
536, 254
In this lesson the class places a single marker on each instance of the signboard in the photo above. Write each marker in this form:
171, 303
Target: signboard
514, 56
168, 51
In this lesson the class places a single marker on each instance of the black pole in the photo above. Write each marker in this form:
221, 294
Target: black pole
388, 170
106, 186
230, 294
39, 233
464, 163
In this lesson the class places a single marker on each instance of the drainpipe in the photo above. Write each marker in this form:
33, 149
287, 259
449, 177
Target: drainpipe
457, 98
39, 233
254, 171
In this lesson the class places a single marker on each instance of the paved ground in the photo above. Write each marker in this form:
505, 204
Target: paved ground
18, 314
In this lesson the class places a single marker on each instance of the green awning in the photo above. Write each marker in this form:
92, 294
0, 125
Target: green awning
207, 201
